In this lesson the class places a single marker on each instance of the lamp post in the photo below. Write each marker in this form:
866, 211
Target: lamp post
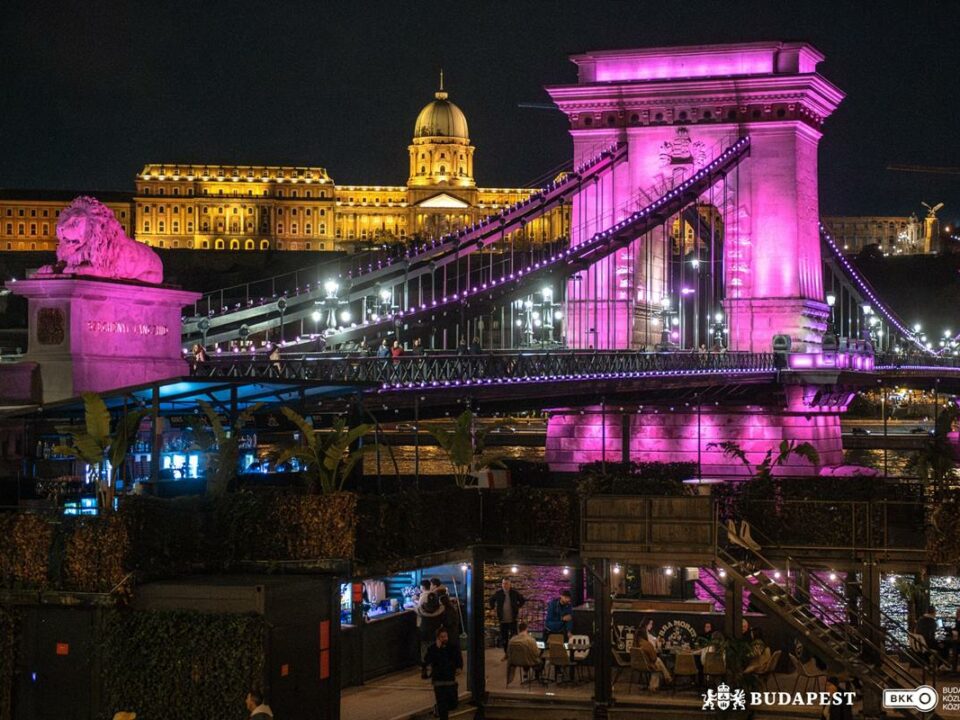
549, 312
331, 287
718, 330
831, 302
664, 323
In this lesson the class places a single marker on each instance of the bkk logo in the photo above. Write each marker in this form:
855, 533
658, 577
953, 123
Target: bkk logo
723, 698
923, 698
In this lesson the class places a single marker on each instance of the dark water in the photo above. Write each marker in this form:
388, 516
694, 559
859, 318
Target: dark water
433, 460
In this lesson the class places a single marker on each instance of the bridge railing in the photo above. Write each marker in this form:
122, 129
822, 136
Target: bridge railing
915, 360
447, 369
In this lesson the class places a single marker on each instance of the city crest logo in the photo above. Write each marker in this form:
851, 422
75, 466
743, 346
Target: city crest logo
724, 699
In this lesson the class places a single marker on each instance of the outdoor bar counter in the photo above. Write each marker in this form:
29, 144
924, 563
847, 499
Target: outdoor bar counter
384, 643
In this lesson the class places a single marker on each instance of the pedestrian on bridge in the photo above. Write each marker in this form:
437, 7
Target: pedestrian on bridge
383, 352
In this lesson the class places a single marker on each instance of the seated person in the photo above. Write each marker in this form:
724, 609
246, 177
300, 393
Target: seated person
643, 642
704, 638
560, 615
757, 644
522, 651
646, 629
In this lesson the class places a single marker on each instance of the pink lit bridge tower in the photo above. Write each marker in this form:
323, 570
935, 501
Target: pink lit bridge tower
675, 108
737, 268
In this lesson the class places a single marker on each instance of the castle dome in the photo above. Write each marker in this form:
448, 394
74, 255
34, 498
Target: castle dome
441, 118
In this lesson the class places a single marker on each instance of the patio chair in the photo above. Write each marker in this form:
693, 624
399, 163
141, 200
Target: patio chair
769, 670
685, 667
622, 661
640, 667
559, 660
804, 674
714, 665
517, 658
580, 647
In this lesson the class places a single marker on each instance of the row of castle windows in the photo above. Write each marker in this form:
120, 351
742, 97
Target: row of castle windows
265, 174
161, 209
234, 227
45, 213
236, 193
220, 244
21, 229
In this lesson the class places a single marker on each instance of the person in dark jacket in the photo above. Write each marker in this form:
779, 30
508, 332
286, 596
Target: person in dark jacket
560, 615
927, 627
430, 618
445, 662
451, 620
507, 602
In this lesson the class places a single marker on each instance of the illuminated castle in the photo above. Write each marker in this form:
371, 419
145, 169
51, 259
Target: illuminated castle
258, 207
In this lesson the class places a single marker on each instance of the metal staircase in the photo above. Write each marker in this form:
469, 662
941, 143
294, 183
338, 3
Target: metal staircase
843, 634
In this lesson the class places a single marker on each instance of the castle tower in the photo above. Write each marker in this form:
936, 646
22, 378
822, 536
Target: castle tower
441, 154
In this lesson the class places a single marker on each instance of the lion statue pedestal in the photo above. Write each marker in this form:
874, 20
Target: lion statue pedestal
95, 324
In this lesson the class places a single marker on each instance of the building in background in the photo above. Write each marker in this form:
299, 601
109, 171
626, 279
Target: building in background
263, 207
893, 235
28, 218
255, 207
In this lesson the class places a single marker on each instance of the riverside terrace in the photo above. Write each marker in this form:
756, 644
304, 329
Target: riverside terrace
806, 546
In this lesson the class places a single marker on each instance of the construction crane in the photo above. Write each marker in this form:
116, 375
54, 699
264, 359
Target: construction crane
927, 169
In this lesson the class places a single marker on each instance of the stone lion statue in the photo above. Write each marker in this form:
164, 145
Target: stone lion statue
92, 242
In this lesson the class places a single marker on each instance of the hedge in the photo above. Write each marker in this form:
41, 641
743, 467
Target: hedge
9, 633
151, 538
173, 665
25, 542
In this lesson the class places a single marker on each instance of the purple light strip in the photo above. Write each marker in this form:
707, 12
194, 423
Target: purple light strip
577, 377
576, 252
572, 177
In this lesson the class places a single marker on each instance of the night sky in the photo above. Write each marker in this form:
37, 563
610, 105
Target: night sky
90, 91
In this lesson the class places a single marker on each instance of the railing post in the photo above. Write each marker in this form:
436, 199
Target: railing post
476, 643
603, 627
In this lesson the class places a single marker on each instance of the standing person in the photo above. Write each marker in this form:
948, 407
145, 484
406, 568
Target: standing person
475, 348
396, 351
417, 348
507, 602
927, 626
384, 350
451, 620
462, 348
364, 347
429, 618
560, 615
445, 663
274, 358
257, 705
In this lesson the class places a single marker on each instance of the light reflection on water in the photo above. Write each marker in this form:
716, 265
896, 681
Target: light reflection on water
433, 461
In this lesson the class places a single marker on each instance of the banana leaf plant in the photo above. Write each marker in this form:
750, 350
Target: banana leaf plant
222, 440
326, 456
764, 469
464, 445
100, 447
